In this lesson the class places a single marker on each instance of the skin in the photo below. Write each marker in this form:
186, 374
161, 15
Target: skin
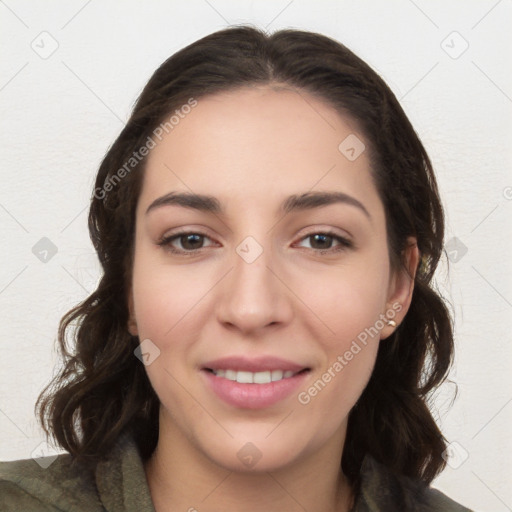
251, 148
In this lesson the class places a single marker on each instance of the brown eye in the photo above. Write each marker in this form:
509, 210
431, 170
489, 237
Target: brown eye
191, 241
323, 242
185, 242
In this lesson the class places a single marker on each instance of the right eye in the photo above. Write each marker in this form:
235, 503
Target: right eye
190, 241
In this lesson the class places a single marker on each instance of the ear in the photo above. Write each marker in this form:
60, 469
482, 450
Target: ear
401, 286
132, 323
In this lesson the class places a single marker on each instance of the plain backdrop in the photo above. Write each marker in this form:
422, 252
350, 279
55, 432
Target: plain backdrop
70, 73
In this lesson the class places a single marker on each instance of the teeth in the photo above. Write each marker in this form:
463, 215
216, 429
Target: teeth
262, 378
244, 377
277, 375
230, 374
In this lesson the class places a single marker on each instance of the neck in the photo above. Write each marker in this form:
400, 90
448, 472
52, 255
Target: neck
182, 478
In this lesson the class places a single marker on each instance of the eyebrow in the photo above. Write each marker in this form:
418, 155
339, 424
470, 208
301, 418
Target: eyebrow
296, 202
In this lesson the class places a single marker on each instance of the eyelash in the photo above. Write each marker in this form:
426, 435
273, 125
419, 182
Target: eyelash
167, 240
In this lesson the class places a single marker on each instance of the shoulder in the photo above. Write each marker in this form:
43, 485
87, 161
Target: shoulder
383, 490
51, 484
47, 484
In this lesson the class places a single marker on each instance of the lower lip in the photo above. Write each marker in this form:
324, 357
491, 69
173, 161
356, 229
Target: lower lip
253, 396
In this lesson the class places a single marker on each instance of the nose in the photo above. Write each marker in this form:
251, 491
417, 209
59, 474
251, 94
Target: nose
253, 296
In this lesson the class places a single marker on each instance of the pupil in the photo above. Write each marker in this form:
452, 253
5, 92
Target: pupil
189, 238
322, 238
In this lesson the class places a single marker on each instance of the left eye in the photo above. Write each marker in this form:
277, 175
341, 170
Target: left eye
192, 242
325, 241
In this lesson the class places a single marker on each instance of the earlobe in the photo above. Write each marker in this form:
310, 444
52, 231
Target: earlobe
391, 323
401, 288
132, 327
132, 322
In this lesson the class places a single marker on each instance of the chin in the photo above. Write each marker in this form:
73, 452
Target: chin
256, 453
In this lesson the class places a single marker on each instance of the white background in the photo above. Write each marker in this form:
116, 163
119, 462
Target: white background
61, 113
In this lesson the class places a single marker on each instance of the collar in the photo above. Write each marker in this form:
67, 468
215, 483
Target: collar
121, 479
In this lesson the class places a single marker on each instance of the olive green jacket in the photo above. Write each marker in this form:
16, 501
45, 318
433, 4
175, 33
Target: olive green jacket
119, 485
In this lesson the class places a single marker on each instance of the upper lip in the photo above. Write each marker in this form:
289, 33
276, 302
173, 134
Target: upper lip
257, 364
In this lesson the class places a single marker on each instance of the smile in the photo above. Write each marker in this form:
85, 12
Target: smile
245, 377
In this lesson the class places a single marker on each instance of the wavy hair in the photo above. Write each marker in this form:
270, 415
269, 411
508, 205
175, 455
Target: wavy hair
102, 390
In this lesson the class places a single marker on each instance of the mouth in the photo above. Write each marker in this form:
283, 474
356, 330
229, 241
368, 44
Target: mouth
253, 383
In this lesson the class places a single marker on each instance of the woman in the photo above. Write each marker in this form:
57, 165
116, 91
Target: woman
264, 336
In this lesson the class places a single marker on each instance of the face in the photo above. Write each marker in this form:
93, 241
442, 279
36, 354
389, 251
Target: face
263, 309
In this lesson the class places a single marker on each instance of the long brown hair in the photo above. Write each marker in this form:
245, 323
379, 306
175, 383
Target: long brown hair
102, 389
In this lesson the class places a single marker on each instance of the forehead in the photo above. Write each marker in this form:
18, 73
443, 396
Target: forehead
259, 143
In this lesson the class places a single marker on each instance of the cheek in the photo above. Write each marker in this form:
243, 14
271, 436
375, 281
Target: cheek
348, 300
329, 398
165, 296
350, 305
165, 301
171, 307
